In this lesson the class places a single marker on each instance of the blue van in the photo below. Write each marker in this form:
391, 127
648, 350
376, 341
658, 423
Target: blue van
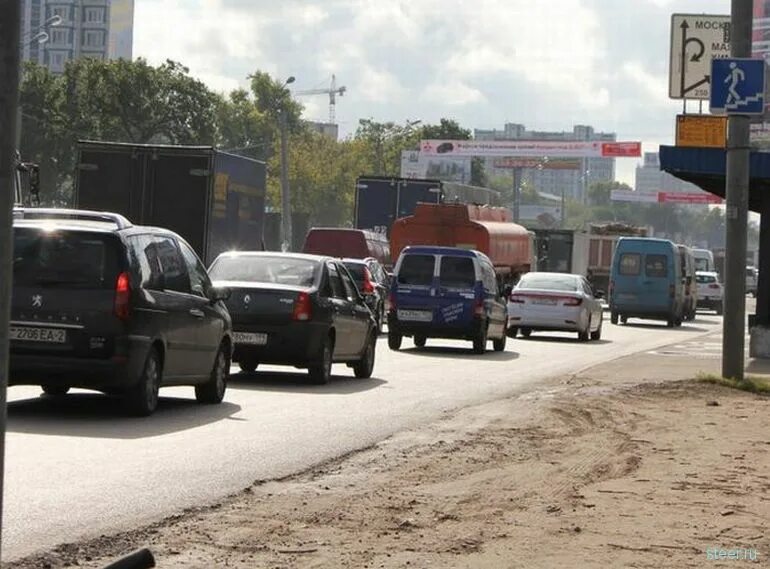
646, 281
446, 292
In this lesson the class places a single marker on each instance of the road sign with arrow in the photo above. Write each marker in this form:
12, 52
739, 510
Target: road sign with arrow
696, 39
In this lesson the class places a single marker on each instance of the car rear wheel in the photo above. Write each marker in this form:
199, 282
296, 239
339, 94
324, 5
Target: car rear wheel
364, 367
499, 344
248, 366
213, 391
394, 340
597, 335
321, 371
614, 317
526, 332
55, 390
142, 399
585, 334
480, 341
624, 320
419, 341
512, 332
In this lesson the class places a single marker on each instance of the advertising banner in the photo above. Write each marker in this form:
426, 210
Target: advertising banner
632, 196
689, 198
534, 163
531, 148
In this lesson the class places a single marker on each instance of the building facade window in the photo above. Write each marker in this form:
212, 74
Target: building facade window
93, 38
94, 15
58, 60
59, 37
62, 11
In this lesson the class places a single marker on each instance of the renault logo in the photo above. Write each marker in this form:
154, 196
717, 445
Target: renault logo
37, 301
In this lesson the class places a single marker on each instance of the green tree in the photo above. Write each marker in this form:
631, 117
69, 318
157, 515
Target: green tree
599, 192
241, 127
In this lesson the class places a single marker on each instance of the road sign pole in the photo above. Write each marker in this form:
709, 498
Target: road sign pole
9, 100
737, 201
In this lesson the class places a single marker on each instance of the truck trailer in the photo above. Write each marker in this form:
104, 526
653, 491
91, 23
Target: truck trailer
380, 200
490, 230
214, 200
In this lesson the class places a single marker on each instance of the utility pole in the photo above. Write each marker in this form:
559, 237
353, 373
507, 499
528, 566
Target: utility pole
286, 240
736, 213
9, 102
516, 193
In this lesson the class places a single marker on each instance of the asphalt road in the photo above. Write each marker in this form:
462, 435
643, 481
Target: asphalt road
76, 468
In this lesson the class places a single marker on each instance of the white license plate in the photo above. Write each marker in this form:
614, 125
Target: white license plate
544, 301
252, 339
415, 315
45, 335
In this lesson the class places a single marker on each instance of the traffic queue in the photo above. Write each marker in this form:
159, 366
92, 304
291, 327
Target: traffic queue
103, 304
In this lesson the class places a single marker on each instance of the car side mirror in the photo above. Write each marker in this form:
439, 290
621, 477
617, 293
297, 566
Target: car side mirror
599, 294
217, 293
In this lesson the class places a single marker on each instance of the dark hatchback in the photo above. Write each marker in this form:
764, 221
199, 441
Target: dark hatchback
373, 285
298, 310
101, 304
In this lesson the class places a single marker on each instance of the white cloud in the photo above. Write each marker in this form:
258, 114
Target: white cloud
380, 86
454, 93
654, 87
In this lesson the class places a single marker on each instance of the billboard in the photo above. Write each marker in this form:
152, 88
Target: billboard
415, 164
691, 198
531, 148
534, 163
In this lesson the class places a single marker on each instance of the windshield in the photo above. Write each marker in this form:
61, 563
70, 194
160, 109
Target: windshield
64, 258
272, 270
701, 264
533, 281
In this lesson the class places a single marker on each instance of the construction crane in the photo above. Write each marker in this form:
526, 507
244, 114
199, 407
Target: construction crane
332, 91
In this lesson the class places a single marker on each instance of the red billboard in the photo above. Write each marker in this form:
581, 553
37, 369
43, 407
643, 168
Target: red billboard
689, 198
622, 149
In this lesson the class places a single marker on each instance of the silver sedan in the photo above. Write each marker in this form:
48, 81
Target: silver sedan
555, 302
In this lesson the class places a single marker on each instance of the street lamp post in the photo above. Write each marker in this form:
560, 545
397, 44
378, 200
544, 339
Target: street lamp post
286, 237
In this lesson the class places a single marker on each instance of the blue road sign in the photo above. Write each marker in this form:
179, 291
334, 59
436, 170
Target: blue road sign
738, 86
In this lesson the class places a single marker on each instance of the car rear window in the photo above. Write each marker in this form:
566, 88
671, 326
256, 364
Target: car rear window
64, 258
701, 264
705, 279
630, 264
417, 270
272, 270
457, 272
534, 281
356, 271
656, 265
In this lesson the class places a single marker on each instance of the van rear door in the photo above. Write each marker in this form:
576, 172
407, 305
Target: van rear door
415, 288
657, 280
457, 291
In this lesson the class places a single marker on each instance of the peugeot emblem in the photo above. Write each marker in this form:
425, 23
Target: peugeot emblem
37, 301
247, 299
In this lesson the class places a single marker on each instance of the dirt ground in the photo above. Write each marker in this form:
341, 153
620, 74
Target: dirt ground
647, 475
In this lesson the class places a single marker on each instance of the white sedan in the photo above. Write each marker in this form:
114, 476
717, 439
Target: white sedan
709, 290
556, 302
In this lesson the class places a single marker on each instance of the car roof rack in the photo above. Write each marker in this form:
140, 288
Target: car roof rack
75, 214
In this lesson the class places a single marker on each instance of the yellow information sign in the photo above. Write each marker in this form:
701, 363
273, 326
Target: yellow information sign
701, 131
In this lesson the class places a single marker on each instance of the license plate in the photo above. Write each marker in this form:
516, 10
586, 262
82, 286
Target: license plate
251, 339
544, 301
415, 315
45, 335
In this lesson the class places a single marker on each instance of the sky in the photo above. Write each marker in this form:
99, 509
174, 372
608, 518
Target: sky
547, 64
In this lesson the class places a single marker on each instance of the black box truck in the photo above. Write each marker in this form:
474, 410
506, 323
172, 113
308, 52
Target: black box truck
214, 200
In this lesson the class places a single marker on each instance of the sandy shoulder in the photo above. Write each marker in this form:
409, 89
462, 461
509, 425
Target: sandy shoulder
652, 475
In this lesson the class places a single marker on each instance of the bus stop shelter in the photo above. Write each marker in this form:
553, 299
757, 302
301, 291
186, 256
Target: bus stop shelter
705, 167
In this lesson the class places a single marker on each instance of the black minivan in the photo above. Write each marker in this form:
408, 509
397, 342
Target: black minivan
101, 304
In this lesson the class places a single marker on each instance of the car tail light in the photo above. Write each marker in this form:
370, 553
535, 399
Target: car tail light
478, 308
517, 298
368, 287
573, 301
303, 308
714, 286
123, 296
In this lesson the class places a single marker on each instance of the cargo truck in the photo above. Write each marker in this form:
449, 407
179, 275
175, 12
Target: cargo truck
214, 200
380, 200
510, 247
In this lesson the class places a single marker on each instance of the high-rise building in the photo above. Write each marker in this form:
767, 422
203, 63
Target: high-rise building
101, 29
570, 177
650, 178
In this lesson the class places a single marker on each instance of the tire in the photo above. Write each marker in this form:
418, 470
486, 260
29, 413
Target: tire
364, 367
142, 399
597, 335
499, 344
394, 340
480, 341
526, 332
419, 341
512, 332
585, 334
670, 323
321, 371
213, 391
249, 366
54, 389
624, 320
614, 317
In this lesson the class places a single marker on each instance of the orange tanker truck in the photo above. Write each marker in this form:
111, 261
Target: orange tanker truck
509, 246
